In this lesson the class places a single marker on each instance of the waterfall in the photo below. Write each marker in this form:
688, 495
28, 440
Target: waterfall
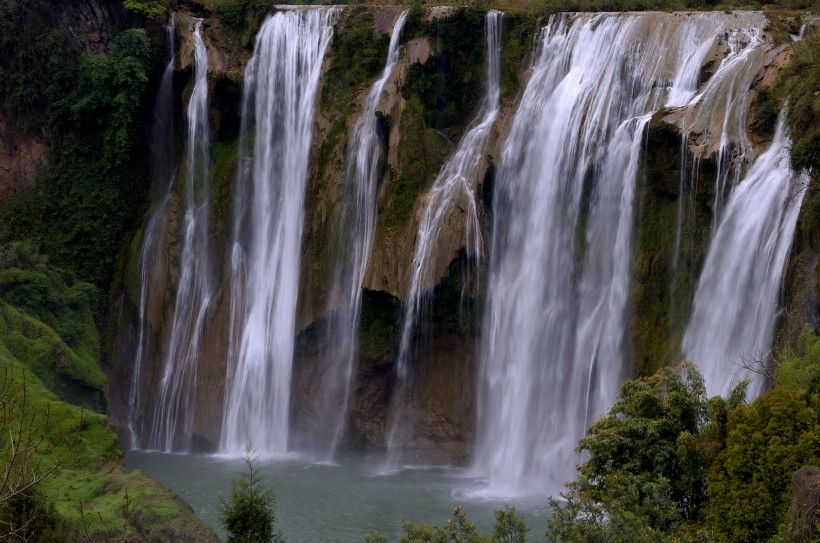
718, 113
278, 107
743, 270
173, 413
555, 323
357, 226
453, 192
714, 121
162, 166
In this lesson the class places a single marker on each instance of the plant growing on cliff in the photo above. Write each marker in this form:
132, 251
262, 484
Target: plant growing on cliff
149, 8
249, 513
25, 513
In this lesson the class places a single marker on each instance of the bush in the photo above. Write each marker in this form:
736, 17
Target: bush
249, 514
645, 477
750, 481
801, 369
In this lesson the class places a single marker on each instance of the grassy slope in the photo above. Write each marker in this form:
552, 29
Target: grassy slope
55, 369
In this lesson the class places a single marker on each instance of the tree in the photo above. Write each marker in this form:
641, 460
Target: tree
249, 514
645, 476
750, 481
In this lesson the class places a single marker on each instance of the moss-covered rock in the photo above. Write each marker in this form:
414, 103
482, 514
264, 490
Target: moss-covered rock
672, 235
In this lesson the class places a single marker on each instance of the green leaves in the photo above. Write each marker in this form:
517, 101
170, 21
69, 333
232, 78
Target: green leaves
149, 8
249, 514
749, 482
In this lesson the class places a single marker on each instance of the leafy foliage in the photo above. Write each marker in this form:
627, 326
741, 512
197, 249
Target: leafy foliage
149, 8
645, 477
801, 371
750, 481
647, 433
25, 513
249, 514
32, 50
92, 193
509, 528
798, 82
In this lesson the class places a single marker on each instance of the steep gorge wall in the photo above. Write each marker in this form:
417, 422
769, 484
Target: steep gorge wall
419, 130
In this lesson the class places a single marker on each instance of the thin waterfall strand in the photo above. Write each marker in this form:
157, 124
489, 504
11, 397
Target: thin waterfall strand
743, 272
357, 223
162, 135
453, 192
173, 417
281, 80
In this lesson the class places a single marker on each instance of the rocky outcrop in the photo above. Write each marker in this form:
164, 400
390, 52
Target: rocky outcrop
21, 158
89, 24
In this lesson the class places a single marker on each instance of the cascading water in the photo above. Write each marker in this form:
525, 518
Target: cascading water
718, 115
743, 270
553, 340
162, 136
173, 413
357, 223
278, 106
453, 192
714, 121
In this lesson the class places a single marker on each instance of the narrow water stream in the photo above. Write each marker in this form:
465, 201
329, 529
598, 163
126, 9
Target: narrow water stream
328, 503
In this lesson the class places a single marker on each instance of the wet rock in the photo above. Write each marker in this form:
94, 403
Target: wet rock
21, 159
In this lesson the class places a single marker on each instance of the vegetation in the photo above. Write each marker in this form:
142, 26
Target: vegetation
93, 191
449, 85
249, 514
509, 527
668, 464
798, 84
149, 8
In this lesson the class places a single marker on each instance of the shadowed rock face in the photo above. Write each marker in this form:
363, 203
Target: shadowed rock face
442, 397
21, 159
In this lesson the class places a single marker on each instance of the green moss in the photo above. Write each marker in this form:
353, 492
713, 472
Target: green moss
455, 305
421, 152
664, 283
517, 34
798, 83
224, 159
72, 376
357, 56
379, 326
449, 85
46, 322
800, 368
132, 272
89, 486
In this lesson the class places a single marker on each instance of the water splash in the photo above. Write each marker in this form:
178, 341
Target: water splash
162, 137
743, 270
554, 334
453, 194
357, 223
278, 107
173, 414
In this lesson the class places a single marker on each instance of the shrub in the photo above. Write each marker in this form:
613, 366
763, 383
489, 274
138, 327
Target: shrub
249, 514
750, 481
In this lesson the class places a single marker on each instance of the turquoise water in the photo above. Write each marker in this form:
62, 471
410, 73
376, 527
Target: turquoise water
338, 502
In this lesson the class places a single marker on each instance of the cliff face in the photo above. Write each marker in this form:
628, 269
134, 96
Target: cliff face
419, 129
21, 158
